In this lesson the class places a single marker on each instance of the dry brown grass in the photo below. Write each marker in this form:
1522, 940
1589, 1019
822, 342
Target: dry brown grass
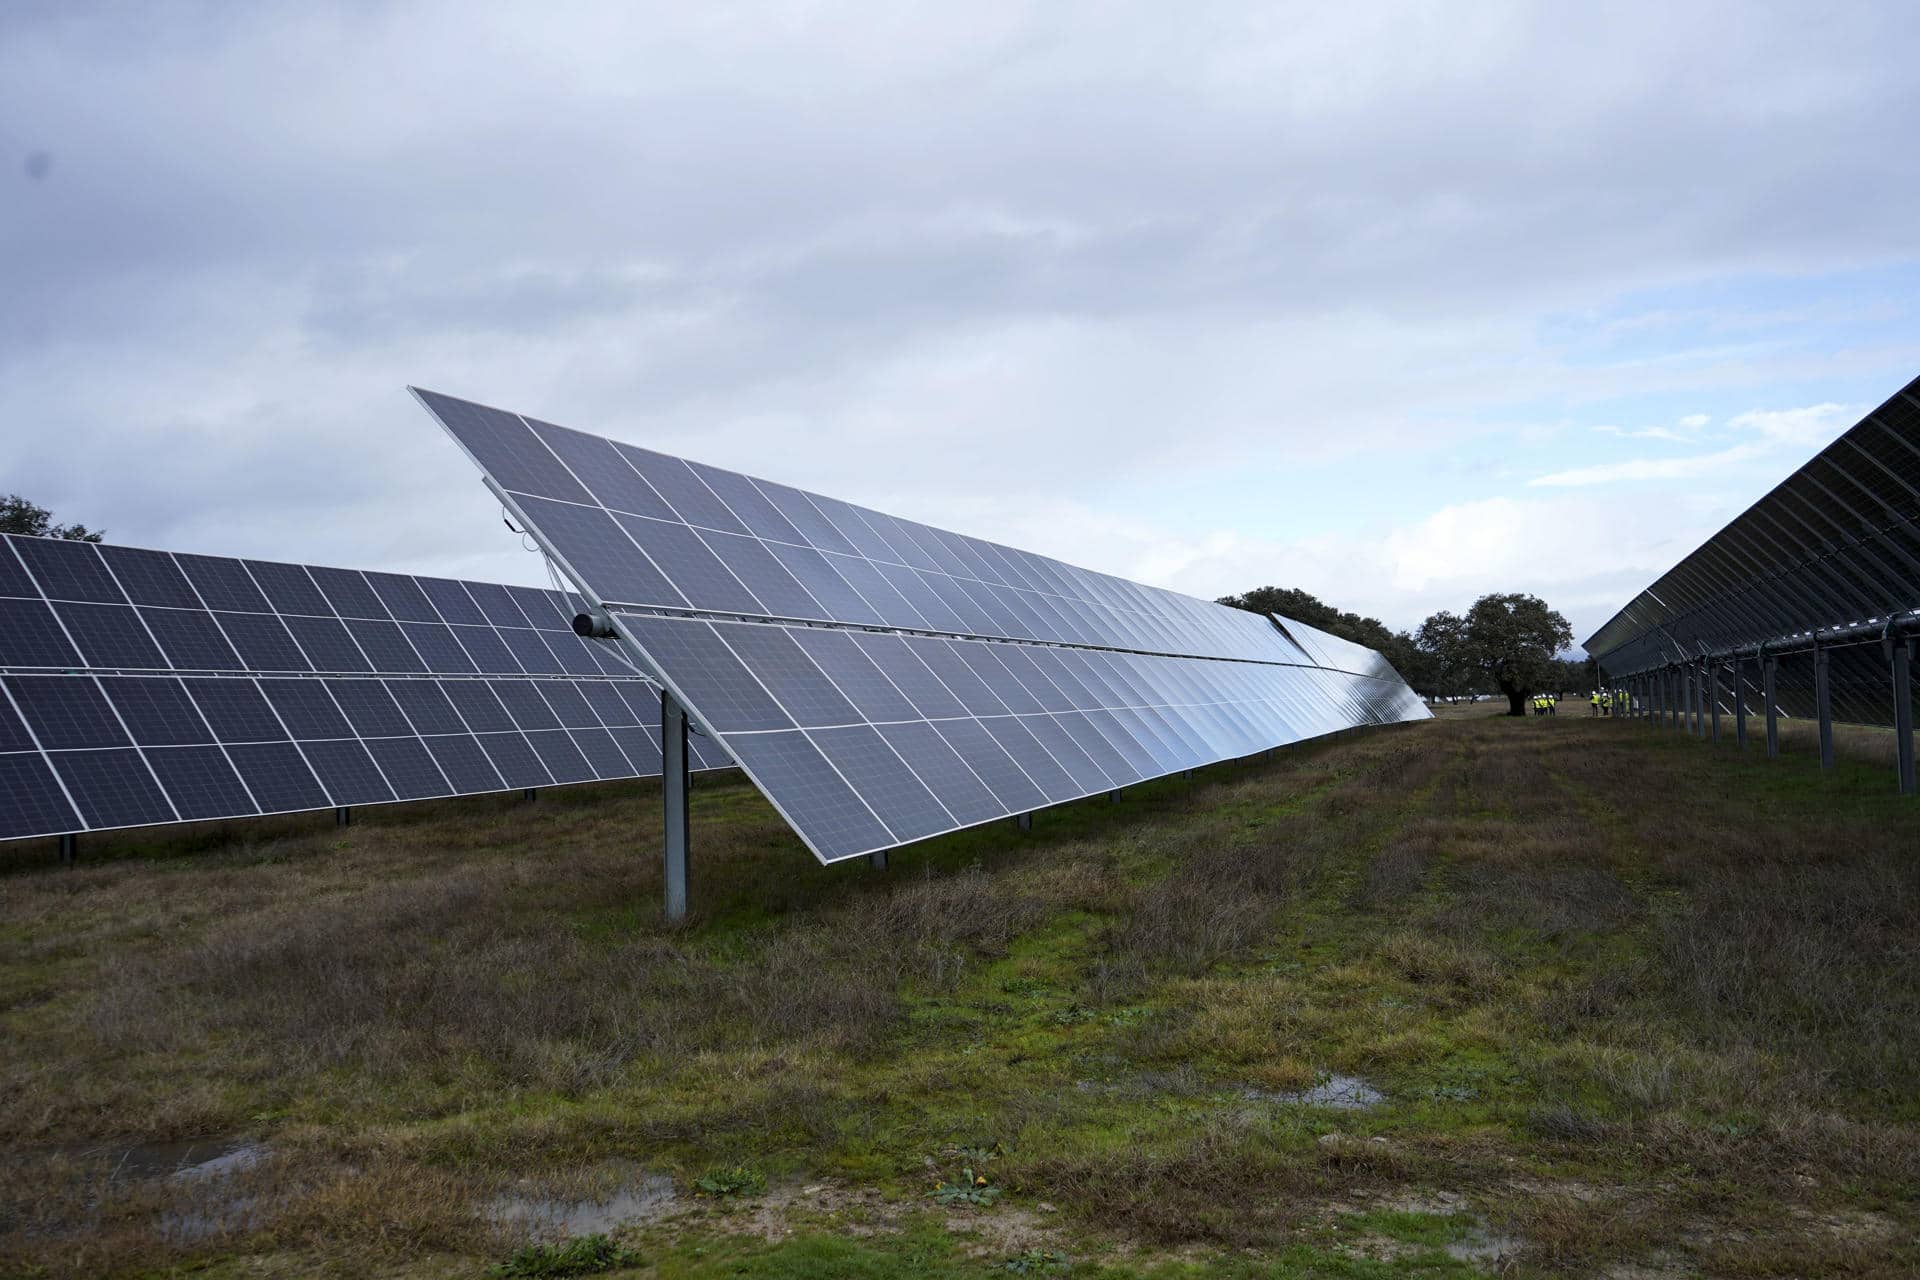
1629, 995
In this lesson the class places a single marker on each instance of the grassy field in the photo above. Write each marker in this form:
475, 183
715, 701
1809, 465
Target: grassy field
1477, 996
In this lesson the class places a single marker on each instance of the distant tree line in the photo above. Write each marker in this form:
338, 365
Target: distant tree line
1506, 643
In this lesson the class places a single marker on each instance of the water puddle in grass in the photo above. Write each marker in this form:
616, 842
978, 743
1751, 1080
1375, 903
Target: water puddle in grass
1342, 1093
196, 1158
645, 1197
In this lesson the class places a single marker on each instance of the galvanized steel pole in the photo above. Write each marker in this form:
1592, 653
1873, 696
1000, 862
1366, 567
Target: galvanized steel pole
1823, 704
1739, 707
1769, 669
1713, 698
674, 781
1903, 714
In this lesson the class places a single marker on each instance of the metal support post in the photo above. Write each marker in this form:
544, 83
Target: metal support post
1903, 714
1823, 705
343, 817
1739, 707
1024, 822
1769, 668
1713, 699
673, 792
1673, 697
69, 848
1114, 795
1187, 774
1700, 700
877, 859
529, 794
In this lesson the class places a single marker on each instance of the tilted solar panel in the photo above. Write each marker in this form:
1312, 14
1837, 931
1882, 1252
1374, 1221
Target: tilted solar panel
141, 687
1835, 544
881, 680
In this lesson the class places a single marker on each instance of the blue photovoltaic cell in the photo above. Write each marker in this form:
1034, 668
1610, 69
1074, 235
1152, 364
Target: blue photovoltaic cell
277, 775
327, 644
13, 575
514, 759
112, 788
726, 693
595, 546
451, 601
965, 796
568, 706
402, 597
66, 712
409, 767
465, 765
31, 801
386, 648
438, 649
811, 793
223, 584
201, 782
426, 706
602, 752
289, 588
155, 710
506, 447
263, 642
688, 495
30, 636
369, 708
784, 669
896, 795
347, 771
150, 577
192, 641
69, 570
563, 759
523, 701
306, 708
594, 461
234, 709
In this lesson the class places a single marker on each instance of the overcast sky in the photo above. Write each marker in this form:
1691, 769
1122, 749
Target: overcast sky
1397, 304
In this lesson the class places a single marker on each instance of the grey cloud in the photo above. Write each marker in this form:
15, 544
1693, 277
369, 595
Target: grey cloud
876, 254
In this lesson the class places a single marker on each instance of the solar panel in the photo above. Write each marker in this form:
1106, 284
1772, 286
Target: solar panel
141, 686
882, 681
1835, 544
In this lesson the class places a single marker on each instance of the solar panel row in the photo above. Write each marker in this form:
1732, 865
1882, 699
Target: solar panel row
867, 739
89, 752
882, 681
67, 605
141, 686
1834, 544
653, 531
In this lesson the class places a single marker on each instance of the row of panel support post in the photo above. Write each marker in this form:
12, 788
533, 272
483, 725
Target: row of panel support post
1713, 699
69, 848
674, 781
1823, 705
1769, 671
343, 817
1739, 707
1903, 714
